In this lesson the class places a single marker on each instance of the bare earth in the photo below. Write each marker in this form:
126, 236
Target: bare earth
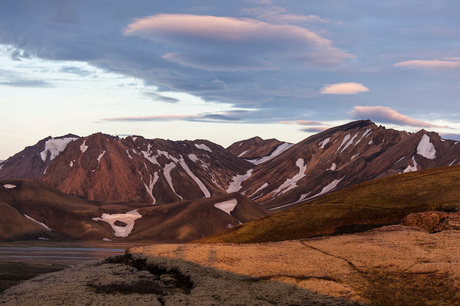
393, 265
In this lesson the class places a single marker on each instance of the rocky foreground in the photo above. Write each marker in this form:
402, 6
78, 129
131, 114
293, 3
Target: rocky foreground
393, 265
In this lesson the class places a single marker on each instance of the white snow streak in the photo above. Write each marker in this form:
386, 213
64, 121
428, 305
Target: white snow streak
365, 135
128, 218
227, 206
150, 157
38, 222
203, 147
235, 185
349, 143
279, 149
152, 183
83, 147
412, 168
100, 156
55, 146
354, 156
426, 148
203, 188
327, 188
452, 162
129, 155
259, 189
292, 182
345, 139
324, 142
242, 153
71, 163
370, 142
10, 186
167, 171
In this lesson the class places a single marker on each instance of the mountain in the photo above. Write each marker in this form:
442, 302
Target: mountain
105, 168
343, 156
361, 207
34, 160
257, 150
31, 209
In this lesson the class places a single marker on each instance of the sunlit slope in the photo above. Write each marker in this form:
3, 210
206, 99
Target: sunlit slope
379, 202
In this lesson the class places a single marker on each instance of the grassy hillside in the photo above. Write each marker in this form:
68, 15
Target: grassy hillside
364, 206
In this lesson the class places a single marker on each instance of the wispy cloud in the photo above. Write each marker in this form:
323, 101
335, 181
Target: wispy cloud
387, 115
315, 129
27, 83
204, 42
221, 117
349, 88
280, 15
160, 97
447, 63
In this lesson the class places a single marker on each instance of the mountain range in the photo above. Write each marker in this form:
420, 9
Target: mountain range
173, 180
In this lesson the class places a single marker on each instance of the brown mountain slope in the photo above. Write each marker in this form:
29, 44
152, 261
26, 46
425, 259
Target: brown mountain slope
254, 147
105, 168
33, 160
375, 203
344, 156
30, 209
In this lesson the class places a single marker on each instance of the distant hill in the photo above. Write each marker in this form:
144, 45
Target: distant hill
379, 202
31, 209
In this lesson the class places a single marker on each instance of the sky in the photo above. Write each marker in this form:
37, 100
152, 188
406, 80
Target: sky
225, 70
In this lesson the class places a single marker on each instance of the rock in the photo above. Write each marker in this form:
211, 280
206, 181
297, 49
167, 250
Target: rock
434, 221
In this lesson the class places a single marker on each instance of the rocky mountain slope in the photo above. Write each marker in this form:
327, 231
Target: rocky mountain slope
31, 209
344, 156
274, 174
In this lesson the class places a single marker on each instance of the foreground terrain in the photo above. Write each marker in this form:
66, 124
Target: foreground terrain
393, 265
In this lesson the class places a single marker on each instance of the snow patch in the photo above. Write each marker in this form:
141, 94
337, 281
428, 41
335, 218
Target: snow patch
323, 143
412, 168
129, 155
399, 160
242, 153
152, 183
292, 182
55, 146
365, 135
149, 156
193, 158
326, 189
128, 218
452, 162
259, 189
333, 167
345, 139
350, 142
227, 206
370, 142
134, 138
10, 186
235, 185
38, 222
354, 156
106, 239
71, 163
167, 171
100, 156
203, 147
426, 148
203, 188
83, 147
279, 149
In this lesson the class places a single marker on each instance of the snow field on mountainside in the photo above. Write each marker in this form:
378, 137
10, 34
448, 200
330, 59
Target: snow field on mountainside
235, 185
129, 218
83, 147
365, 135
279, 149
10, 186
203, 147
425, 148
200, 184
227, 206
329, 187
292, 182
151, 185
412, 168
100, 156
38, 222
349, 142
324, 142
167, 172
55, 146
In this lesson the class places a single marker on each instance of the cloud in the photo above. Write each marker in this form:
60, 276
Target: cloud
228, 43
158, 97
222, 117
307, 122
75, 70
27, 83
315, 129
350, 88
387, 115
280, 15
447, 63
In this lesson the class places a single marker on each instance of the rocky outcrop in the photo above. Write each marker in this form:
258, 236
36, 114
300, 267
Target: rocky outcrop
434, 221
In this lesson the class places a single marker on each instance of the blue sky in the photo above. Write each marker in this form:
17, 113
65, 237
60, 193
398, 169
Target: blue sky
225, 70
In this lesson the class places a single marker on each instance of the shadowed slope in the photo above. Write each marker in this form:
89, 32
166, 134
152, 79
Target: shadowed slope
371, 204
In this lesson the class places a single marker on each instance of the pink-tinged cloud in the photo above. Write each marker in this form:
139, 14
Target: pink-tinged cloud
387, 115
308, 122
226, 43
349, 88
448, 63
